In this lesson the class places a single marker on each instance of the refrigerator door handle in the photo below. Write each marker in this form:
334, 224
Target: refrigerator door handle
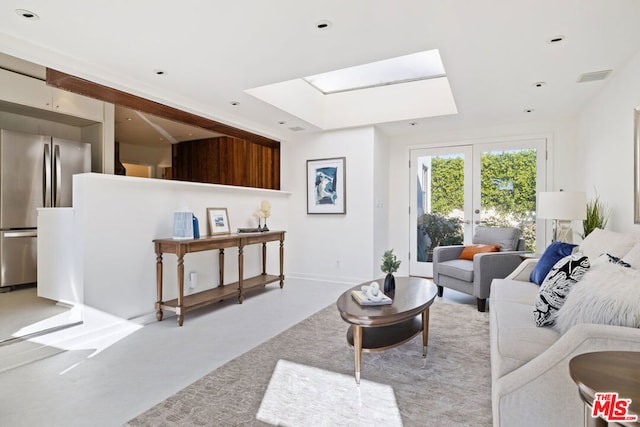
58, 172
30, 233
46, 177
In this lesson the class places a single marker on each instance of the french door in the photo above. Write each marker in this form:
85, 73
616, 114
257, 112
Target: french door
456, 188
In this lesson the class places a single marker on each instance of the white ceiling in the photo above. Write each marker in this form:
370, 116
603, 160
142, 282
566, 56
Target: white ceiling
212, 51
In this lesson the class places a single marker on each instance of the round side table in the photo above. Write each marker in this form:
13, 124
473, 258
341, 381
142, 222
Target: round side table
608, 372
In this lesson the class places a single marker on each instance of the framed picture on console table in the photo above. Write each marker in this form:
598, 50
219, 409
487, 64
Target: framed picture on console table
326, 186
218, 220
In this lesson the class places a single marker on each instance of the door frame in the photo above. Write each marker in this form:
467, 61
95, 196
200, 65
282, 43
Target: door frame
544, 179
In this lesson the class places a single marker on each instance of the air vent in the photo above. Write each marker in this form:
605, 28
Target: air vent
296, 128
594, 76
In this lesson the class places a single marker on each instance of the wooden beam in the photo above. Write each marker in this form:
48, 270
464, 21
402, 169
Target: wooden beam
80, 86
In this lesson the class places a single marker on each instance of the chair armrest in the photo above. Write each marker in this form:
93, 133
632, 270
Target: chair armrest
523, 271
492, 265
446, 253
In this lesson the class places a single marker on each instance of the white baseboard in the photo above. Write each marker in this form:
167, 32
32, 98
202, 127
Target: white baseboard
322, 278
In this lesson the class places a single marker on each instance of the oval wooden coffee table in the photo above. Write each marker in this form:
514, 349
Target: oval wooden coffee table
376, 328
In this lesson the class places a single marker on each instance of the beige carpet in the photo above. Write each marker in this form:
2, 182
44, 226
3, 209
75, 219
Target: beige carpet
304, 376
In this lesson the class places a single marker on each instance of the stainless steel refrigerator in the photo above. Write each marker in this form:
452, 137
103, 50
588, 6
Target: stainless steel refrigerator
35, 171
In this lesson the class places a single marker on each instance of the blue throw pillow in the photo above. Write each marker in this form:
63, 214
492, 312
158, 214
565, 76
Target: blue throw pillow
554, 253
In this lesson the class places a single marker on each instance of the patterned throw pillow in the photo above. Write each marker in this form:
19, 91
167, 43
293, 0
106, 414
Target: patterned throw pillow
556, 286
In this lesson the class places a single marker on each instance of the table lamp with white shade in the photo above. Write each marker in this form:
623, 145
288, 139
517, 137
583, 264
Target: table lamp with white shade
562, 207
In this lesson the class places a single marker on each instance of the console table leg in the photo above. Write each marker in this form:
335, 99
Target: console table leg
281, 264
264, 258
180, 308
240, 273
221, 266
158, 283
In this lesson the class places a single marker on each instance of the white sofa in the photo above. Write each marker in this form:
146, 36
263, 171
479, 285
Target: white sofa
531, 385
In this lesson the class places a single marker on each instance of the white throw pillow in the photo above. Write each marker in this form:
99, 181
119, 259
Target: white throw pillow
601, 241
607, 294
633, 256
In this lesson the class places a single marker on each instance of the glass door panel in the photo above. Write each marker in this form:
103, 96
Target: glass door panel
507, 179
440, 211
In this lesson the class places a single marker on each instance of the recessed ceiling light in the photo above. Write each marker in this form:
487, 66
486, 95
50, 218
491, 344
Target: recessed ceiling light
529, 110
323, 24
555, 39
413, 123
539, 84
281, 122
27, 14
160, 72
234, 103
128, 119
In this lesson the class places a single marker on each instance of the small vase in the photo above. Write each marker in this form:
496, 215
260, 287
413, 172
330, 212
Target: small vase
264, 228
389, 283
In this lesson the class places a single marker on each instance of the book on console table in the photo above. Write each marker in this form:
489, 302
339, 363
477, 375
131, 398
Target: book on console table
361, 298
249, 230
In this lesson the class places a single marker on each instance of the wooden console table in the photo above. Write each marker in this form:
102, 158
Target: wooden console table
181, 247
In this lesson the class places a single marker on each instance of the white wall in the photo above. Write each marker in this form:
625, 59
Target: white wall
117, 218
333, 247
606, 135
149, 156
563, 170
381, 200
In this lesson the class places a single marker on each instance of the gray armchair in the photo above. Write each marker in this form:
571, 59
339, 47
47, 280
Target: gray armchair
474, 277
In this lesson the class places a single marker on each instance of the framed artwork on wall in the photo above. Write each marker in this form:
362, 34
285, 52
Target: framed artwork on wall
326, 186
218, 220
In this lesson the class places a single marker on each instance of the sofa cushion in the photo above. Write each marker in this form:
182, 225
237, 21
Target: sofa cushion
515, 338
470, 250
506, 237
604, 241
514, 291
557, 285
554, 252
608, 294
459, 268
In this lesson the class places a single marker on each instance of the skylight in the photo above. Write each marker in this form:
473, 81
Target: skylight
408, 68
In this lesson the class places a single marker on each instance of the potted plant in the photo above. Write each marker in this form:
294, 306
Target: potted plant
440, 231
389, 265
597, 213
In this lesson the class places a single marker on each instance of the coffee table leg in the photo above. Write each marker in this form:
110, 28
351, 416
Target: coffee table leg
357, 350
425, 331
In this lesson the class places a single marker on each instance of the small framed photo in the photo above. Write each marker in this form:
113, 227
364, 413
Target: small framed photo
326, 187
218, 220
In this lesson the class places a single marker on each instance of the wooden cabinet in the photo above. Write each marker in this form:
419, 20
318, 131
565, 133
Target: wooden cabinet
30, 92
227, 160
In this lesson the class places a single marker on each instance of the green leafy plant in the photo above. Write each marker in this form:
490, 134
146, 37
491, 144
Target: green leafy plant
390, 263
597, 214
441, 231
